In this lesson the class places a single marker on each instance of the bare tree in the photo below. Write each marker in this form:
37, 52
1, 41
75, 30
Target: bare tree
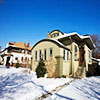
96, 40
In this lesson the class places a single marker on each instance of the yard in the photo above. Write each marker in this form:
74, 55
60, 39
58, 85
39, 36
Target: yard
22, 84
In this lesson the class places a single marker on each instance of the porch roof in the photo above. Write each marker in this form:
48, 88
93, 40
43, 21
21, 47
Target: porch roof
78, 37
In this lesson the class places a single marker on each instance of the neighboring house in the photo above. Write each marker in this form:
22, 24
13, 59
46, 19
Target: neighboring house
71, 51
94, 69
1, 59
17, 53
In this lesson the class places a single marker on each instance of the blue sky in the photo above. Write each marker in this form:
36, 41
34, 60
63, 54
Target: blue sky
30, 20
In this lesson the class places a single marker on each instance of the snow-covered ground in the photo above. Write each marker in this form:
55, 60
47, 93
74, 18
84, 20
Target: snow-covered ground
84, 89
22, 84
17, 84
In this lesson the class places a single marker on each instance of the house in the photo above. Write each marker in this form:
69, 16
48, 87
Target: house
64, 54
16, 53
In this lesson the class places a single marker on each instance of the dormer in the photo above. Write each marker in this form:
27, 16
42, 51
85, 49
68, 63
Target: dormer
54, 34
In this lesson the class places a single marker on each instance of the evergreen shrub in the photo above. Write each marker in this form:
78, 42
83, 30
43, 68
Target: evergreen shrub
41, 70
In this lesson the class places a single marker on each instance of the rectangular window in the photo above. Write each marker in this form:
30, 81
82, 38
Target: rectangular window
35, 55
89, 56
64, 54
75, 53
39, 54
51, 52
67, 55
45, 54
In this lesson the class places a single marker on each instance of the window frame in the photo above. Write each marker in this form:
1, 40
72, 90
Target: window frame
50, 55
68, 55
45, 55
64, 54
89, 55
75, 53
40, 54
36, 55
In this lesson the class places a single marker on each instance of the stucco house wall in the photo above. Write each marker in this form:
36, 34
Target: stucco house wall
72, 62
57, 52
41, 46
66, 64
87, 50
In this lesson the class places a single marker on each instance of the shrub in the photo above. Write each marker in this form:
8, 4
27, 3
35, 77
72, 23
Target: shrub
63, 76
17, 65
41, 70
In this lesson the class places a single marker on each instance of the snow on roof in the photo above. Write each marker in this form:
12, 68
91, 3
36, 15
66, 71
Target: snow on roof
75, 33
52, 40
71, 34
67, 34
58, 42
96, 60
84, 37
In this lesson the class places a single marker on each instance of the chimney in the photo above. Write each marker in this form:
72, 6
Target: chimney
48, 35
28, 44
11, 43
